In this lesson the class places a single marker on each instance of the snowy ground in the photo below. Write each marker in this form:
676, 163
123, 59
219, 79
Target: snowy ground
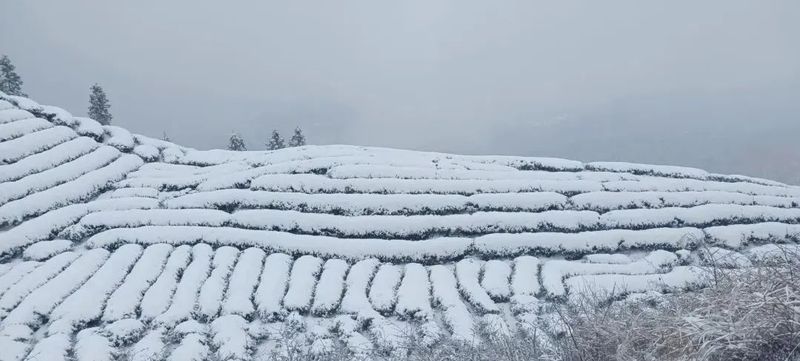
116, 245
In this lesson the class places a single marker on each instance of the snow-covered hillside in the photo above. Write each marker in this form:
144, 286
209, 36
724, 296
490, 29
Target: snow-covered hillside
115, 244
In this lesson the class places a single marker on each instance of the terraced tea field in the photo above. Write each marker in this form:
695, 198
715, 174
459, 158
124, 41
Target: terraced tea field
119, 246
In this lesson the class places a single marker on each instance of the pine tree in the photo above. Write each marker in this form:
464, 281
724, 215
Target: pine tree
10, 81
236, 143
165, 137
298, 139
276, 141
99, 105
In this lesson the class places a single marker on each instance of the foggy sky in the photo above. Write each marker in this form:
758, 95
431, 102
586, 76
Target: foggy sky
710, 84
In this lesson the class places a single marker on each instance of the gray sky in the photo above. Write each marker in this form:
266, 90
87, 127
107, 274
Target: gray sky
711, 84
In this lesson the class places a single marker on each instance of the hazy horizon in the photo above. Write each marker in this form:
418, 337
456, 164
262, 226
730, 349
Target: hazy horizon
713, 85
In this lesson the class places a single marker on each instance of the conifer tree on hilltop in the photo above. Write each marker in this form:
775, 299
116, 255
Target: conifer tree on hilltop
236, 143
298, 139
276, 141
99, 105
10, 81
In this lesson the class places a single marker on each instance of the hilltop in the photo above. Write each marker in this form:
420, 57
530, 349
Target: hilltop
127, 245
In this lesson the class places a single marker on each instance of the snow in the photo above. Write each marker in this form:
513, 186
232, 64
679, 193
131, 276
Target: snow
549, 243
327, 156
22, 102
125, 331
131, 192
312, 183
495, 325
149, 348
51, 348
414, 294
61, 174
647, 169
388, 335
272, 285
699, 216
193, 347
773, 252
301, 283
147, 152
243, 282
13, 115
188, 288
720, 257
57, 115
230, 338
17, 332
43, 250
48, 296
15, 342
213, 290
609, 285
416, 172
355, 341
685, 185
553, 272
366, 204
124, 301
79, 189
606, 201
735, 236
455, 313
320, 246
414, 227
173, 178
49, 224
171, 154
349, 204
29, 144
496, 278
159, 296
5, 267
86, 304
118, 138
271, 237
357, 283
8, 279
103, 220
158, 143
383, 293
330, 287
22, 127
90, 345
524, 280
88, 127
510, 202
60, 154
33, 280
188, 327
236, 179
617, 258
467, 273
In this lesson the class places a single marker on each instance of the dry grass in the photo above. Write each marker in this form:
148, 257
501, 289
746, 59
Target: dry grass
751, 314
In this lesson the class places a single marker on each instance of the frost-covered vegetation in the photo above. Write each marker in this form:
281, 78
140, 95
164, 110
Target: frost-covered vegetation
119, 246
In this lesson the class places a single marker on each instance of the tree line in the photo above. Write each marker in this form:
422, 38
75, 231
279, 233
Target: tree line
100, 110
11, 84
275, 141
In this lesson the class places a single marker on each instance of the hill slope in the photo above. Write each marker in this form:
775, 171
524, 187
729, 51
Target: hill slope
124, 245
